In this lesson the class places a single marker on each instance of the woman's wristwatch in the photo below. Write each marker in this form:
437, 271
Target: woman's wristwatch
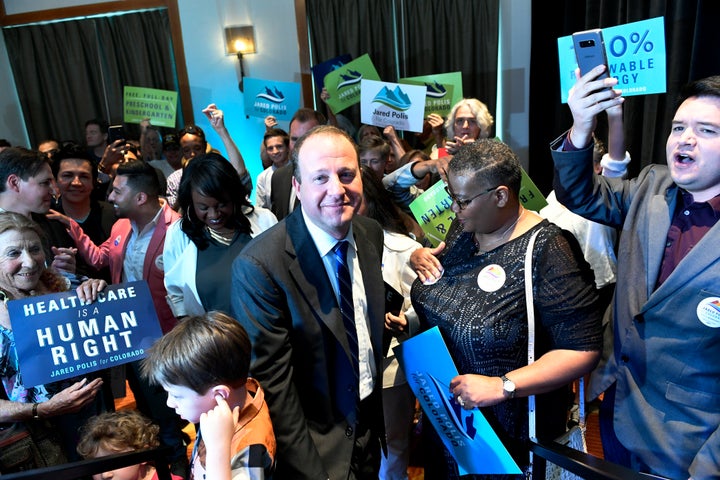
508, 386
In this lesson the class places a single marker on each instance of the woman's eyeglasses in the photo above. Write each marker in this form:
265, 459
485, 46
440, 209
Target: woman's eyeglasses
463, 204
460, 122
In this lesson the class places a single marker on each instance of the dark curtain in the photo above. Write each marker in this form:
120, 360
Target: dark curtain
448, 36
407, 38
356, 27
68, 72
691, 39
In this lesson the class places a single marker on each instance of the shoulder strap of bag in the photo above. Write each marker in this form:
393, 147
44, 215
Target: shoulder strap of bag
529, 303
531, 330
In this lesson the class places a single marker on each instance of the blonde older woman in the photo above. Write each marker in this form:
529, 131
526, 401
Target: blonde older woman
469, 120
23, 273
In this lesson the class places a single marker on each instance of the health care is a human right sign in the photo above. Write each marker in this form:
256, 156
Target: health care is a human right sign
57, 336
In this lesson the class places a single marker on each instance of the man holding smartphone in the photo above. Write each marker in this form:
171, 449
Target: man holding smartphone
661, 408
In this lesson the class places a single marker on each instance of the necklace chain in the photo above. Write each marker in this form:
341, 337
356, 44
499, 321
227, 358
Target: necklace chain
222, 238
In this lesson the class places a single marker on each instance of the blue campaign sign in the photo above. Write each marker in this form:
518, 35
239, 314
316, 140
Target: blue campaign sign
635, 53
268, 97
57, 336
467, 434
321, 69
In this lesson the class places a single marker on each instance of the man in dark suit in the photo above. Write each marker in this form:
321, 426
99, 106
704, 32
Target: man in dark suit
282, 194
320, 377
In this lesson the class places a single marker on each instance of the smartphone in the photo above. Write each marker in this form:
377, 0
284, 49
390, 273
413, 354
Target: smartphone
393, 300
115, 132
590, 51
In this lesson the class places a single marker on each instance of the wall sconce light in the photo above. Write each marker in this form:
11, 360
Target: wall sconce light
240, 40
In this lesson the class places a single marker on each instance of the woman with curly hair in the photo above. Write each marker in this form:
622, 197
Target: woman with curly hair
217, 222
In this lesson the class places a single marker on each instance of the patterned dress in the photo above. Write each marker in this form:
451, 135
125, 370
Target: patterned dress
479, 307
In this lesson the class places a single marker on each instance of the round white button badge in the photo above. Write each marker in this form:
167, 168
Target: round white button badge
491, 278
708, 312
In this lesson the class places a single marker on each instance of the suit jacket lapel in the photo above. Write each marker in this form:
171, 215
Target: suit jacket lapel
118, 248
157, 241
699, 259
658, 220
309, 271
374, 286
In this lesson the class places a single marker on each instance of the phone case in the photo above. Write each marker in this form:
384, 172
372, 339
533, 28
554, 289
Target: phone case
115, 132
393, 300
590, 51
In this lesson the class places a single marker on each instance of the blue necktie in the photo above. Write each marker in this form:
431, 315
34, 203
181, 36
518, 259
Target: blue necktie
347, 310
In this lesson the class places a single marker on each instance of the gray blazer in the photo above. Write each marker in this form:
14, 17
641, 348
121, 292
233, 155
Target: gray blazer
283, 297
666, 357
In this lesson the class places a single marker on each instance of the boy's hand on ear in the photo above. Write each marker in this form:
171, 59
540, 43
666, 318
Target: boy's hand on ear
218, 425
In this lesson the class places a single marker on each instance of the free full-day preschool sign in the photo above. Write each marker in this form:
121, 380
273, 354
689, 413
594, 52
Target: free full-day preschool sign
635, 53
57, 336
160, 106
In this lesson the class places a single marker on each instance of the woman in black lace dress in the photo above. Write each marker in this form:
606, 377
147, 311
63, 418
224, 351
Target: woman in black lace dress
479, 304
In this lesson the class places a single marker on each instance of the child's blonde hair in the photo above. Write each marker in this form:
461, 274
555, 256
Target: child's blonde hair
117, 431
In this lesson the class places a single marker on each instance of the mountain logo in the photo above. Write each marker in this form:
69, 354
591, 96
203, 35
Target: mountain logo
435, 90
350, 78
275, 96
461, 418
395, 99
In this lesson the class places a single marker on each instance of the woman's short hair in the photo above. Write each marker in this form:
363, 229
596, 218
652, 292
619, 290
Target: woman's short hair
117, 432
488, 160
199, 353
213, 176
478, 109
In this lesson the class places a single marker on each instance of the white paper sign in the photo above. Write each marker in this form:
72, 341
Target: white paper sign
399, 105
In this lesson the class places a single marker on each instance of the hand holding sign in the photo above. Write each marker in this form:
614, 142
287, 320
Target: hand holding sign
59, 335
635, 53
70, 400
88, 290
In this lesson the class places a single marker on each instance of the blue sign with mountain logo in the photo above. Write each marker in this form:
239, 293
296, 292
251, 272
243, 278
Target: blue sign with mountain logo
268, 97
320, 70
383, 104
467, 434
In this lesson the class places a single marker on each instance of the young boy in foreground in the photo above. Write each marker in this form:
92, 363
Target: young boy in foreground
203, 365
120, 432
